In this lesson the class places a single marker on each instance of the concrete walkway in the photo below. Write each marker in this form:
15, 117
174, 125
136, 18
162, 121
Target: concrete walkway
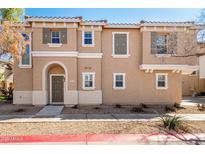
94, 117
50, 110
192, 101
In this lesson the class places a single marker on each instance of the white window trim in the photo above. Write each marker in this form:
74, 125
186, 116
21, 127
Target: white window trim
93, 78
93, 39
113, 45
166, 81
114, 81
30, 61
54, 45
64, 88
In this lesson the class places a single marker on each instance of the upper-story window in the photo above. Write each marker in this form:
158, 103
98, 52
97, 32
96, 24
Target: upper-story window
88, 38
201, 36
25, 61
120, 44
163, 43
55, 37
26, 56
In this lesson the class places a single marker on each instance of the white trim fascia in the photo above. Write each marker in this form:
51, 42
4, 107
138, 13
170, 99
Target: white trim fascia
93, 39
166, 24
52, 20
54, 53
121, 26
114, 80
163, 55
121, 56
92, 23
90, 55
24, 66
66, 54
186, 69
64, 89
55, 45
166, 81
93, 79
113, 45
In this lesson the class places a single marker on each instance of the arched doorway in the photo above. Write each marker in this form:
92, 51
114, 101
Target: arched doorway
55, 82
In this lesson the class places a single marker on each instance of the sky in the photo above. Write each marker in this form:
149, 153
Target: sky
120, 15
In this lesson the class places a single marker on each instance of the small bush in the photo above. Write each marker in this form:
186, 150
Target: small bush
171, 123
201, 107
97, 108
137, 109
143, 105
118, 106
19, 110
75, 107
176, 105
170, 109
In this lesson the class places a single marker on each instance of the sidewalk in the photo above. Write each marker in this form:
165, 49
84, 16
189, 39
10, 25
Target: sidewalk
94, 117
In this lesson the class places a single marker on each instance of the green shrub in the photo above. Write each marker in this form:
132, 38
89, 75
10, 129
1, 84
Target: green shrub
170, 109
118, 106
176, 105
75, 107
201, 107
97, 108
171, 122
143, 105
137, 109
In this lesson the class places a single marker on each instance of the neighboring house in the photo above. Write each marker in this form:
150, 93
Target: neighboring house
72, 61
6, 73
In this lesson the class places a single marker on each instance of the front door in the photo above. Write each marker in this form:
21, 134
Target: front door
57, 89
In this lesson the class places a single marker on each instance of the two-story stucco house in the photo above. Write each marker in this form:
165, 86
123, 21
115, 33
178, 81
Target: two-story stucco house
72, 61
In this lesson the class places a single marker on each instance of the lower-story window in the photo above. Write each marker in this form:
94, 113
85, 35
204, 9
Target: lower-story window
88, 80
119, 80
161, 81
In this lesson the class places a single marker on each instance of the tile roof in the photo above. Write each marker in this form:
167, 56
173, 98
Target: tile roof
56, 19
166, 23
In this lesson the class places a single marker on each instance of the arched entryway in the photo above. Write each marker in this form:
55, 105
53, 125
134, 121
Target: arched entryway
55, 82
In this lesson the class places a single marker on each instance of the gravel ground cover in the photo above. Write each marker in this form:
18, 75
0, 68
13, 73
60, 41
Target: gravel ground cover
11, 109
88, 127
128, 109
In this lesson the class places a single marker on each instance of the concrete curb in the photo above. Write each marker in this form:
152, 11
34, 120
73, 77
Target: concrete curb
102, 138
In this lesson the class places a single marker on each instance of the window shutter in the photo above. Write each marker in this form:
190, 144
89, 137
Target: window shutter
153, 43
120, 44
64, 36
46, 35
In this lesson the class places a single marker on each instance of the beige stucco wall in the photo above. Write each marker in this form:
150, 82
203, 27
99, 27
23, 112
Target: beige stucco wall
23, 78
148, 58
37, 41
140, 86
